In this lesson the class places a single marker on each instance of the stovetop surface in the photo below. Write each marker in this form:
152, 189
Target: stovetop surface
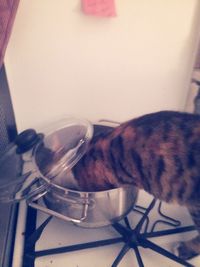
59, 233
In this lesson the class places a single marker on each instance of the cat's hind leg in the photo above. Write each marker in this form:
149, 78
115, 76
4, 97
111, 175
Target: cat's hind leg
191, 248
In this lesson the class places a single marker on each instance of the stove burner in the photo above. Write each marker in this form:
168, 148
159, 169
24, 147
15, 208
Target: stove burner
132, 238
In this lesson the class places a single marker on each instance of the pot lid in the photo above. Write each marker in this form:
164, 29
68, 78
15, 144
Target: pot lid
32, 157
64, 143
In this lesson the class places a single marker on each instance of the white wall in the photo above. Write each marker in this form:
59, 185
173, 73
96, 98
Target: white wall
60, 61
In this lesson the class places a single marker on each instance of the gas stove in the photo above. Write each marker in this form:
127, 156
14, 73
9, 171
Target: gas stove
145, 237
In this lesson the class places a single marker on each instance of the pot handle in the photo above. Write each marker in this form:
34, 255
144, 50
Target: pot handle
31, 203
115, 123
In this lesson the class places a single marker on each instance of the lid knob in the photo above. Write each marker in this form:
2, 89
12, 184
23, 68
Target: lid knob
27, 140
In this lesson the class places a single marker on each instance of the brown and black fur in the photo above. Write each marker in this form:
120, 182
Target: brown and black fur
158, 152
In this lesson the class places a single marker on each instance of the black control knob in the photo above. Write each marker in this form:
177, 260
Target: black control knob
26, 140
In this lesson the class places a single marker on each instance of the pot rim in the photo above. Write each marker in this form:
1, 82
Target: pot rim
51, 184
103, 192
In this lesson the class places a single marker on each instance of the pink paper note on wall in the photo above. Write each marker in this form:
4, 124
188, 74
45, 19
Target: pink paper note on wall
101, 8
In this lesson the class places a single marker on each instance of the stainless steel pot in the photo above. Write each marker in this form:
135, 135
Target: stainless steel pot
46, 185
88, 209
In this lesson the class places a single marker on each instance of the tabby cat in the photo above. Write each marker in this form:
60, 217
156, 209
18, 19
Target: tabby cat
158, 152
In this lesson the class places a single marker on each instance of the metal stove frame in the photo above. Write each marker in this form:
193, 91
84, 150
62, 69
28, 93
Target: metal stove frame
8, 132
132, 238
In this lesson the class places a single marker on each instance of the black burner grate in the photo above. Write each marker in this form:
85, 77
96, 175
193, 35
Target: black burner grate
132, 238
